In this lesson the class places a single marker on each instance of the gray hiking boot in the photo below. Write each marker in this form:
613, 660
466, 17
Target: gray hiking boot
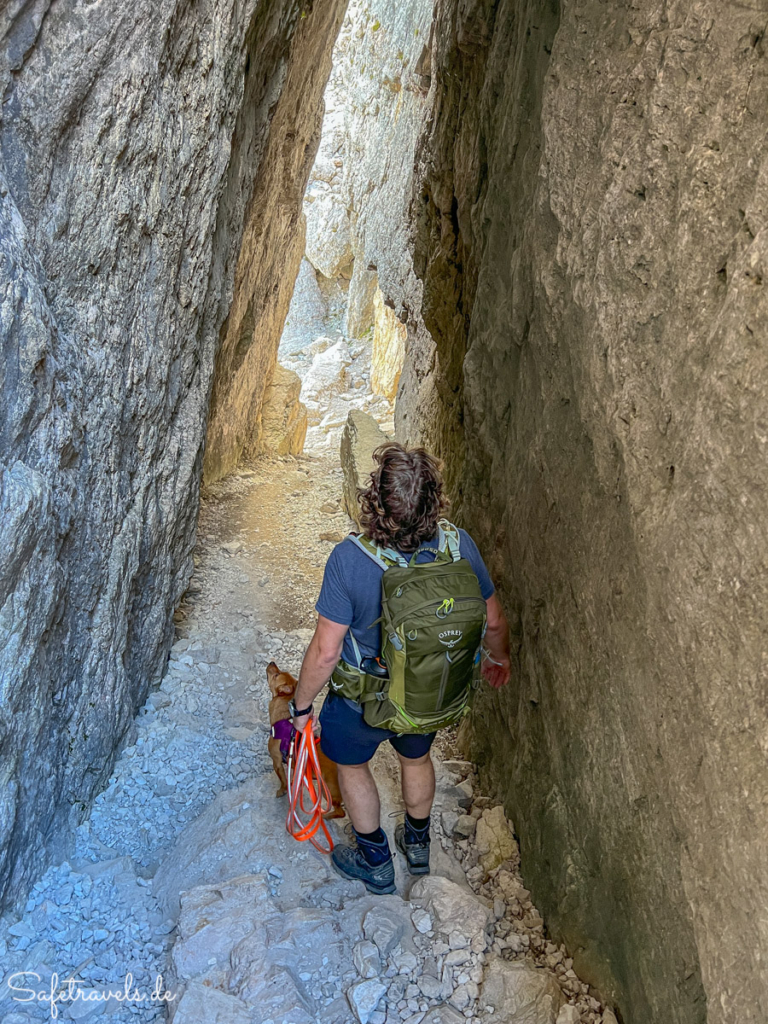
415, 851
350, 862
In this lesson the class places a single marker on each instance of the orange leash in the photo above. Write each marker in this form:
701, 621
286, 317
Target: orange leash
308, 795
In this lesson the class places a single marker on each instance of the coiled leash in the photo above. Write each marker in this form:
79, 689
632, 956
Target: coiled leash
308, 794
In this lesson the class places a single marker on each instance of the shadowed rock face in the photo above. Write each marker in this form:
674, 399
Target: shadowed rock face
273, 241
136, 154
593, 250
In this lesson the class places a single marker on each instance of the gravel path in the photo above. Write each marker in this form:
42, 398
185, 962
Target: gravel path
188, 833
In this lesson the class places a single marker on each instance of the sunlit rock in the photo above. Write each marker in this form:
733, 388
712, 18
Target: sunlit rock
284, 419
389, 336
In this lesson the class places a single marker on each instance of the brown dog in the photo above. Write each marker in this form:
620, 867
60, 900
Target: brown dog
283, 686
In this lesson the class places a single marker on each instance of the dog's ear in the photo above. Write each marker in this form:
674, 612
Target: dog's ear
285, 685
273, 675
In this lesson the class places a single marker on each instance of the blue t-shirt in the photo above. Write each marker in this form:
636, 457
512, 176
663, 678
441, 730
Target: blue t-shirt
351, 591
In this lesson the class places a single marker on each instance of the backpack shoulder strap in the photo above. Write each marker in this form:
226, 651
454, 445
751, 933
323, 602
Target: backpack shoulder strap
385, 558
356, 649
449, 539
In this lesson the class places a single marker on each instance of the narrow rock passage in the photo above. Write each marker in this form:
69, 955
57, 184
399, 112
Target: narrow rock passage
185, 869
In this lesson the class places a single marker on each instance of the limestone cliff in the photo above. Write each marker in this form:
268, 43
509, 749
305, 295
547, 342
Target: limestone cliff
592, 241
358, 202
138, 147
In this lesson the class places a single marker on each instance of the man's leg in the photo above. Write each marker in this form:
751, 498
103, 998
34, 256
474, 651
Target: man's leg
418, 780
345, 738
361, 798
418, 774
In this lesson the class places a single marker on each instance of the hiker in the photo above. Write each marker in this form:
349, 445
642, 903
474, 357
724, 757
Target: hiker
404, 610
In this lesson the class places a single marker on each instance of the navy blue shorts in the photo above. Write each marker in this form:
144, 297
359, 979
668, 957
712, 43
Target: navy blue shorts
348, 739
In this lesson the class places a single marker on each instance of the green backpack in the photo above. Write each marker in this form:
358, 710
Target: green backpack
433, 623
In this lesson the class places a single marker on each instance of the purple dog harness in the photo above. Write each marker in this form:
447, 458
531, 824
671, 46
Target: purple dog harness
283, 731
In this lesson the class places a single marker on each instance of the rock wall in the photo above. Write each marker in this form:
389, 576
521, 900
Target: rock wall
273, 242
592, 237
136, 152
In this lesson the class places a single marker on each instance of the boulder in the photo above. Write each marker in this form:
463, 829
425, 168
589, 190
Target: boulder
520, 994
458, 916
326, 377
284, 418
328, 246
360, 312
388, 352
360, 438
494, 839
201, 1004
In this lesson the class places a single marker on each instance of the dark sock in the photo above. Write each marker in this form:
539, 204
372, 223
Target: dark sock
374, 846
419, 827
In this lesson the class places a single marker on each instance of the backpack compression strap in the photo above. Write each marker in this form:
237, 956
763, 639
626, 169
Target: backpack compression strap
449, 539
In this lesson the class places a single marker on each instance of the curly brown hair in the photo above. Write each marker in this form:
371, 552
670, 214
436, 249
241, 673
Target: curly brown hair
404, 500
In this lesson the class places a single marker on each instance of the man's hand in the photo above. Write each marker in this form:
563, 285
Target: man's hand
496, 666
497, 673
300, 723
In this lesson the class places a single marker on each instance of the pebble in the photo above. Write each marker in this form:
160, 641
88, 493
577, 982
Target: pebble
430, 987
365, 957
465, 826
568, 1015
422, 922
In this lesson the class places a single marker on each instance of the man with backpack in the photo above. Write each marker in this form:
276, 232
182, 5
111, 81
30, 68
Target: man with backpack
408, 617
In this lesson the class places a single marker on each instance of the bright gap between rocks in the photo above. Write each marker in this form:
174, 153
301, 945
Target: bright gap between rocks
341, 339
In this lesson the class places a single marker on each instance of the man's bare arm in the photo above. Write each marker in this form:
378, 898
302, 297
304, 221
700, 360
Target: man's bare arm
319, 662
496, 669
